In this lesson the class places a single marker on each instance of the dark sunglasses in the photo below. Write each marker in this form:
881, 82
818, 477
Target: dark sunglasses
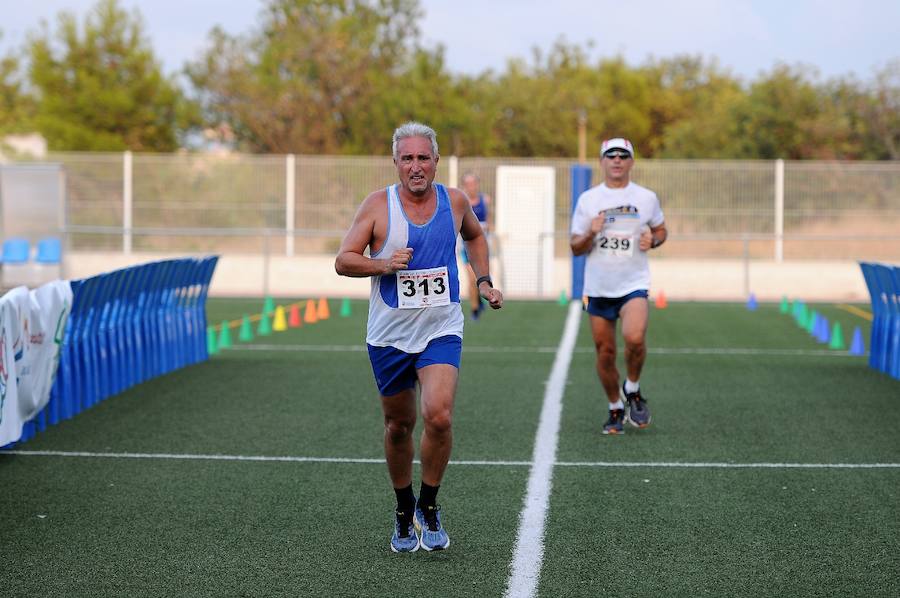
614, 154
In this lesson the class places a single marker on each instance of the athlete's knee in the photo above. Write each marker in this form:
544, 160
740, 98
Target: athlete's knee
634, 341
606, 352
438, 422
399, 429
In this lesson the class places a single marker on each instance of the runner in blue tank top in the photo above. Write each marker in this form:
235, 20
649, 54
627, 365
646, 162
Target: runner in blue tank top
479, 201
415, 323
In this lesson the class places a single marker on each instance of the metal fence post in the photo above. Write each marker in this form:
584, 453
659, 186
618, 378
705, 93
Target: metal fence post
746, 239
289, 199
453, 175
779, 210
127, 221
267, 233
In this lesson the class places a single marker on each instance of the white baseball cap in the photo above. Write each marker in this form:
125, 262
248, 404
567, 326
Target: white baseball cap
616, 143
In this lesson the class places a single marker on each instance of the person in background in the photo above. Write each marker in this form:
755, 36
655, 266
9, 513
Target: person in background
480, 203
616, 223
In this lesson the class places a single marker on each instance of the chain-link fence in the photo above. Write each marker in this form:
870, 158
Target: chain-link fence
829, 210
300, 206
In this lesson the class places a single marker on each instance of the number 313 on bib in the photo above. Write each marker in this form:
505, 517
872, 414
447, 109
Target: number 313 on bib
422, 288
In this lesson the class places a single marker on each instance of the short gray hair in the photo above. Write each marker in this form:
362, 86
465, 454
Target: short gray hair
414, 129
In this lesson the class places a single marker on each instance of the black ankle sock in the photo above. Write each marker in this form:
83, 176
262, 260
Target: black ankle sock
406, 500
427, 495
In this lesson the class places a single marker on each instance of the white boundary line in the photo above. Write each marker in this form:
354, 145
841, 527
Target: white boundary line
520, 349
528, 554
725, 465
220, 457
471, 462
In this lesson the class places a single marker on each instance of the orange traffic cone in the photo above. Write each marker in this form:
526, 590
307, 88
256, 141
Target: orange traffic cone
323, 312
294, 320
309, 316
661, 302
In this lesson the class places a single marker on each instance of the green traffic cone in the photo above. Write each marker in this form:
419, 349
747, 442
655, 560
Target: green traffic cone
265, 325
345, 308
837, 337
811, 322
212, 347
784, 305
563, 299
225, 336
268, 306
803, 316
245, 334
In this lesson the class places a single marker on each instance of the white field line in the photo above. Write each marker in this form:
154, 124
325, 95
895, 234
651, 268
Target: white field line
500, 350
726, 465
528, 553
464, 462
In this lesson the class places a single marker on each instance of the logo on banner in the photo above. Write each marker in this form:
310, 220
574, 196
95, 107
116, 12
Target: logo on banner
58, 335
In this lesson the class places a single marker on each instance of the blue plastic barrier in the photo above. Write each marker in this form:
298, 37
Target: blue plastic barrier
883, 282
888, 279
126, 327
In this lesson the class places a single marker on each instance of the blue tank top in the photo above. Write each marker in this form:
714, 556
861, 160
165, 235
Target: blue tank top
480, 209
433, 245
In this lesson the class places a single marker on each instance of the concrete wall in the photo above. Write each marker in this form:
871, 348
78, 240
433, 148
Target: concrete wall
701, 280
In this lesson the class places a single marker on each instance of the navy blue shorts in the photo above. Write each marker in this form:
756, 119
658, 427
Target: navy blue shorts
395, 370
608, 308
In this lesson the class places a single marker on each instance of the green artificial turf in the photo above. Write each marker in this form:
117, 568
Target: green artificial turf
726, 386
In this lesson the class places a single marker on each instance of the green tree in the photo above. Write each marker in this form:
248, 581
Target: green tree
782, 117
690, 104
423, 90
101, 88
16, 107
783, 114
303, 81
883, 110
537, 106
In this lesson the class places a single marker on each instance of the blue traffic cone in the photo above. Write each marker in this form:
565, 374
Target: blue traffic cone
824, 334
812, 323
856, 345
751, 302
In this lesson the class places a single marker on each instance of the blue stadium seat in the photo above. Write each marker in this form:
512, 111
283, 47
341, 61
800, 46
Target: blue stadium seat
16, 251
49, 251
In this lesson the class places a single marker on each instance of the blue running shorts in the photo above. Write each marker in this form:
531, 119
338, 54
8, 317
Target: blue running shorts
395, 370
608, 308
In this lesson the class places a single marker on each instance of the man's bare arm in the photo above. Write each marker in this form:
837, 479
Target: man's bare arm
582, 244
351, 259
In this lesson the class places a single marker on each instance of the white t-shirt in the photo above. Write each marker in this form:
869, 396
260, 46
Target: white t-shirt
616, 266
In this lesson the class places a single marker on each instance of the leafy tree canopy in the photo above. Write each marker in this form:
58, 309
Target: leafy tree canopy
99, 87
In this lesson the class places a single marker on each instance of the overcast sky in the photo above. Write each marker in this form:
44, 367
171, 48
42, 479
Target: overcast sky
746, 37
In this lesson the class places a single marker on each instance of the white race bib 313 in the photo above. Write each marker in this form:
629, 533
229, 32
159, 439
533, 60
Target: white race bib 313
423, 288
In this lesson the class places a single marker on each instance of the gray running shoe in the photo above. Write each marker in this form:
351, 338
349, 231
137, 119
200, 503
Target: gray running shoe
431, 533
637, 410
404, 538
614, 424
